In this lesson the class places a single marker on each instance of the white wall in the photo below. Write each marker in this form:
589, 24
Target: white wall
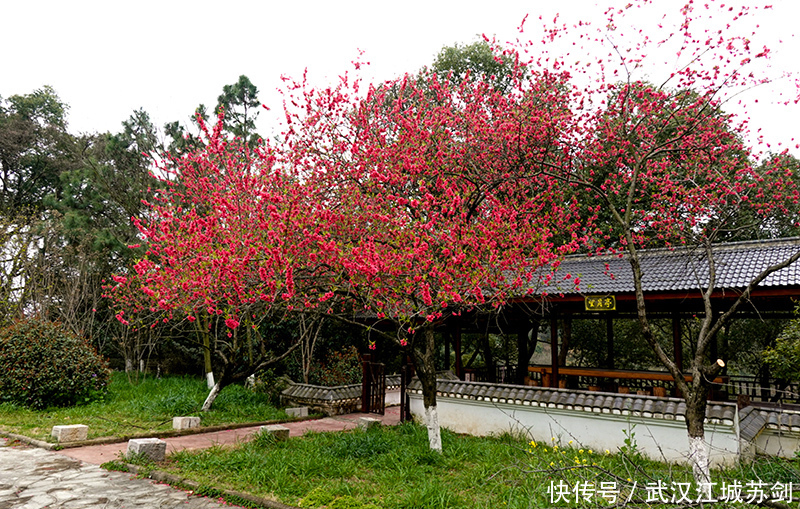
659, 439
774, 442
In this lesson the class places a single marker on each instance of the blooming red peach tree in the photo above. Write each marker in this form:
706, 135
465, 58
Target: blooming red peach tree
659, 158
228, 246
436, 198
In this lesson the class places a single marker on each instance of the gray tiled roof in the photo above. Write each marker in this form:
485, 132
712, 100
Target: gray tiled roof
594, 402
753, 421
307, 392
737, 264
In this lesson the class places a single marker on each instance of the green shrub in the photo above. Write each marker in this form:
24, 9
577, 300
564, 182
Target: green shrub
338, 368
42, 364
268, 384
784, 357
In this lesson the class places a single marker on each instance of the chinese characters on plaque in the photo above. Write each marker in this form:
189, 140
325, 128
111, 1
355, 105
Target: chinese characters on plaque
600, 303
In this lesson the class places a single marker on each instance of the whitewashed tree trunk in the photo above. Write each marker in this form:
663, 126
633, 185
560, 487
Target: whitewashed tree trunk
426, 371
700, 461
434, 430
212, 395
210, 380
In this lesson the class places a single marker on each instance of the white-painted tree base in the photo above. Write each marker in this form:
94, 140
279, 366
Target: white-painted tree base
699, 460
210, 380
434, 431
211, 397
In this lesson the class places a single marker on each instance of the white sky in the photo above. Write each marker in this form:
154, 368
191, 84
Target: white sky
107, 58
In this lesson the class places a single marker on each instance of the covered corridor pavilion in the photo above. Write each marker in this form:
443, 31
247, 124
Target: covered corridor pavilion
673, 281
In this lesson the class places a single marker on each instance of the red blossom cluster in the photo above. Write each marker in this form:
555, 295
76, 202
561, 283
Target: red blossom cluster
423, 196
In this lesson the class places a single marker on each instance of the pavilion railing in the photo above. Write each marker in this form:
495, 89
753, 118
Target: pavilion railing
757, 390
503, 374
752, 387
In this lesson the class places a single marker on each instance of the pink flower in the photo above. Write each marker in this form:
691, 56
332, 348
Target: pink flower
231, 323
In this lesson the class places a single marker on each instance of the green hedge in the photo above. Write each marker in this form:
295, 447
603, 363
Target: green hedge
42, 364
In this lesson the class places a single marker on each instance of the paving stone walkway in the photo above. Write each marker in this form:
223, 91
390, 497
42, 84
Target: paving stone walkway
32, 478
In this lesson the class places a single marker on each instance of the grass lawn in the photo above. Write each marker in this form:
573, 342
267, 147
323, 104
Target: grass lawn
148, 406
393, 468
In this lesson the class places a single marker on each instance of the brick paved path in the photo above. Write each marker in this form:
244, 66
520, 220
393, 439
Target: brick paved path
32, 478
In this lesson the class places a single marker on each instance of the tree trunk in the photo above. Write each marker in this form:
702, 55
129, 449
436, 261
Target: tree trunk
696, 402
426, 371
212, 395
222, 382
488, 357
566, 339
202, 329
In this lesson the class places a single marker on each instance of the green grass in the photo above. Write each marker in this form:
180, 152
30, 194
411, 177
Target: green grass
129, 409
393, 468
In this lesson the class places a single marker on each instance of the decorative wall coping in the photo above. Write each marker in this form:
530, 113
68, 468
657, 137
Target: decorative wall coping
754, 420
331, 400
723, 413
331, 394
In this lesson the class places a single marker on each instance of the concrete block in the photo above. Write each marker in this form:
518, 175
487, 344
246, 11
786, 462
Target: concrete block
152, 448
70, 433
185, 422
301, 411
276, 430
368, 422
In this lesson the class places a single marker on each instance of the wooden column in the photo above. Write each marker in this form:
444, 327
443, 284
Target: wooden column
554, 349
365, 382
566, 339
457, 346
610, 342
677, 344
523, 354
446, 338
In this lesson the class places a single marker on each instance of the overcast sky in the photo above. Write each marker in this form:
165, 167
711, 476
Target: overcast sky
107, 58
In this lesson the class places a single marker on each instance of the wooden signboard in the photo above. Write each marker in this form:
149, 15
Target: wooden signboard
600, 303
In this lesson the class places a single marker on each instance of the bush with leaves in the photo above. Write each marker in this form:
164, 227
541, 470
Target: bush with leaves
338, 368
784, 357
42, 364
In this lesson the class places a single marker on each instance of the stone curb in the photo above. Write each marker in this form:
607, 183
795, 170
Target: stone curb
30, 441
157, 434
174, 480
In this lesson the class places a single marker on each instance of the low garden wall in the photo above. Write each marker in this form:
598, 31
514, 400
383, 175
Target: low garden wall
342, 399
592, 420
769, 431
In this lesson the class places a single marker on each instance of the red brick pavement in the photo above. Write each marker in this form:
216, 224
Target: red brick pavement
98, 454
